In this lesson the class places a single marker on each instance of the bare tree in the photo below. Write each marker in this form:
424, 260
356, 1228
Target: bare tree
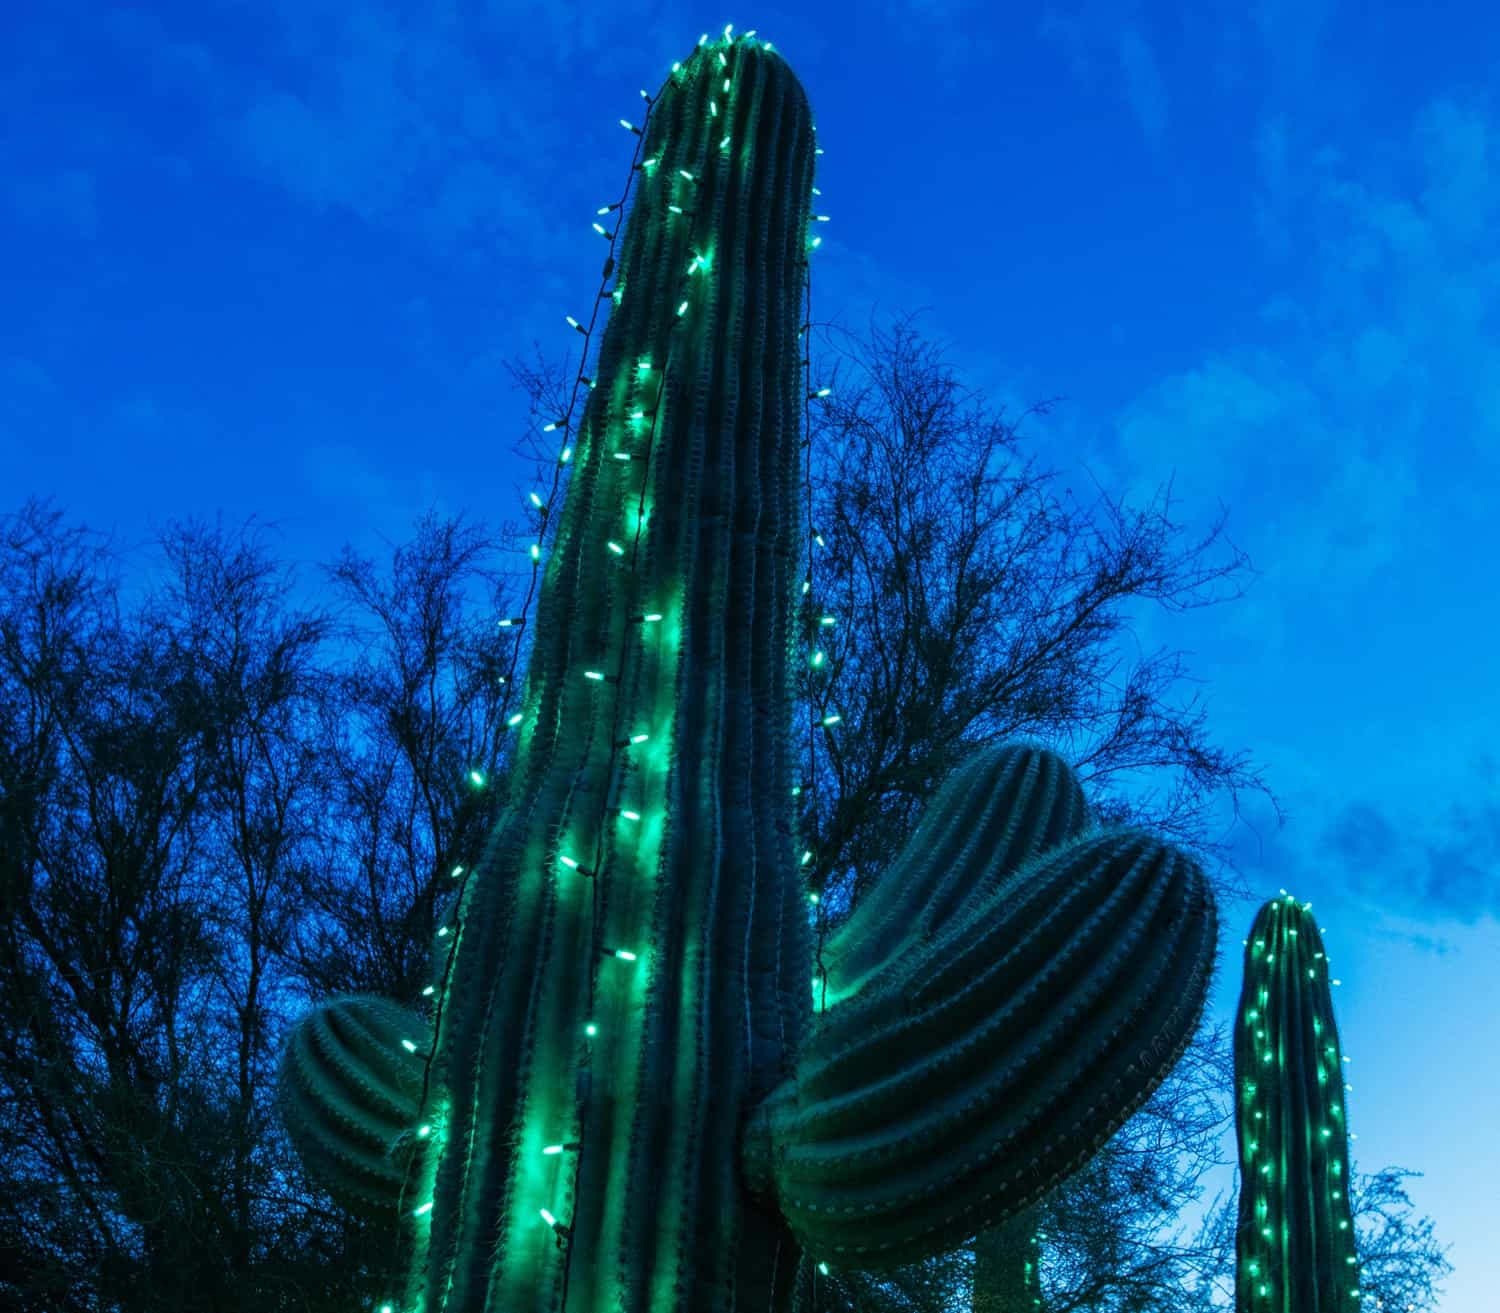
966, 604
415, 743
152, 811
973, 605
178, 793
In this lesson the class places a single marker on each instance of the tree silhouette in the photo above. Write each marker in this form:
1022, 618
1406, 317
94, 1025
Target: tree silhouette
180, 829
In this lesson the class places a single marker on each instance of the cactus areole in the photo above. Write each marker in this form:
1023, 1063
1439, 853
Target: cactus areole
1295, 1239
628, 1104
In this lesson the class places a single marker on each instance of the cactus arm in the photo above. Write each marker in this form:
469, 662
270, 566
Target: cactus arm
977, 1072
1001, 807
1294, 1243
348, 1092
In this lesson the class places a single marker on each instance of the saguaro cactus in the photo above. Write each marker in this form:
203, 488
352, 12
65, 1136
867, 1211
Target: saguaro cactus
1295, 1240
1007, 1266
632, 1105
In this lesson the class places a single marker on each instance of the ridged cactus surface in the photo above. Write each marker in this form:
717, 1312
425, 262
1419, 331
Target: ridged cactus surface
985, 1066
350, 1081
631, 1108
1003, 806
1295, 1240
699, 383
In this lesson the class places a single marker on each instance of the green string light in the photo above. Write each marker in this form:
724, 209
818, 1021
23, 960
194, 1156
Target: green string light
1286, 1028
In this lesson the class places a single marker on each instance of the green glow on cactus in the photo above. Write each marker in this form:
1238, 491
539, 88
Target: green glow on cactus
1294, 1241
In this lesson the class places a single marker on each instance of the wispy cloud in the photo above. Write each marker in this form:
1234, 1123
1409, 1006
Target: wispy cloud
1293, 32
1409, 859
340, 472
1113, 35
1443, 865
435, 121
1355, 433
58, 198
1067, 31
1145, 92
1384, 376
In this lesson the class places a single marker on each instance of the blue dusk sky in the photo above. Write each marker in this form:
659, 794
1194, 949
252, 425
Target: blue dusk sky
268, 259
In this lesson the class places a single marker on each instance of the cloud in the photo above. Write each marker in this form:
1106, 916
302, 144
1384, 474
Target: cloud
443, 123
1446, 864
1230, 426
175, 67
56, 199
1144, 90
343, 473
141, 419
1457, 882
1337, 436
1263, 850
1421, 942
1360, 836
1118, 39
285, 141
127, 98
1292, 33
1268, 206
1405, 865
1068, 32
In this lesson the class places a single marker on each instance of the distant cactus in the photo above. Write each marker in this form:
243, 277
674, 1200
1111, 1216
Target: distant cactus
1295, 1240
1008, 1265
633, 1107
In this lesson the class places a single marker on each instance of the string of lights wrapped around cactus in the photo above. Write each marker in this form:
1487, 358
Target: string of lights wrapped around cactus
627, 1101
1295, 1239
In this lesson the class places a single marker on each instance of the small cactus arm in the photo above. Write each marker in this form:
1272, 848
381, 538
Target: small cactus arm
350, 1080
1294, 1244
632, 1106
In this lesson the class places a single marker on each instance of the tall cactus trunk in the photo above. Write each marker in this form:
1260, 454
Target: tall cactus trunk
1295, 1239
628, 1106
704, 888
1007, 1266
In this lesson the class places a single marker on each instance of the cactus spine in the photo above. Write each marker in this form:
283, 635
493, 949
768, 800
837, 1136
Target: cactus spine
633, 1108
1295, 1239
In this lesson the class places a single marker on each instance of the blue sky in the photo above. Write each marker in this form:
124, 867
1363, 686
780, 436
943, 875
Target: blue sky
270, 258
